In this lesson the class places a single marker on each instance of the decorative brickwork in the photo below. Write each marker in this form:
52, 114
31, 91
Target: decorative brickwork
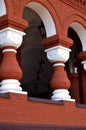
81, 2
77, 4
56, 9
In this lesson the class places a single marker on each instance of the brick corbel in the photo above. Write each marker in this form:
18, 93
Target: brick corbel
13, 22
55, 41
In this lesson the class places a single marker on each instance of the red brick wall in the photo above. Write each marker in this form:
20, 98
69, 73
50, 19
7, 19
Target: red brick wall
17, 109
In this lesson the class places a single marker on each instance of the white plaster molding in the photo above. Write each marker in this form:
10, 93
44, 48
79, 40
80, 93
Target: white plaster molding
2, 8
58, 53
59, 64
61, 94
84, 64
11, 37
9, 50
45, 16
11, 85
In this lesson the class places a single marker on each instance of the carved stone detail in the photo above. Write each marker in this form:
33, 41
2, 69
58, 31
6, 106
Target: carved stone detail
11, 37
58, 53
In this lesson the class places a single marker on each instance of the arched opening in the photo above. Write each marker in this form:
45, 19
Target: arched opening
81, 32
37, 70
74, 67
45, 17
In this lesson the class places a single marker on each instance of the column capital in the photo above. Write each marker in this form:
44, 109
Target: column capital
58, 53
57, 41
11, 37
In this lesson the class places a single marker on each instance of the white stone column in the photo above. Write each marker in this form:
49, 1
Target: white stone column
60, 83
10, 72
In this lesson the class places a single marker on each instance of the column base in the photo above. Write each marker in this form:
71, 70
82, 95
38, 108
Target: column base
61, 94
11, 85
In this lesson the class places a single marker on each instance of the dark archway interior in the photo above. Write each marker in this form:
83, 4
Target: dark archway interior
76, 48
73, 66
37, 70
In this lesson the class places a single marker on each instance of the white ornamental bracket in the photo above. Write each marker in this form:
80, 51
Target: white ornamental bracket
11, 37
58, 53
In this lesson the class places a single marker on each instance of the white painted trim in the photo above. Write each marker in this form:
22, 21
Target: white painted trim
2, 8
61, 94
58, 64
12, 29
56, 47
45, 16
11, 85
9, 50
11, 91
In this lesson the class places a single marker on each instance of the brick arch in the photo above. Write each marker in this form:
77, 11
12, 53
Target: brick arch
81, 31
2, 8
45, 4
78, 24
71, 19
9, 7
45, 17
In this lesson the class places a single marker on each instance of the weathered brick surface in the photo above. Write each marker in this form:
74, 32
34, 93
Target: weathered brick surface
17, 109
